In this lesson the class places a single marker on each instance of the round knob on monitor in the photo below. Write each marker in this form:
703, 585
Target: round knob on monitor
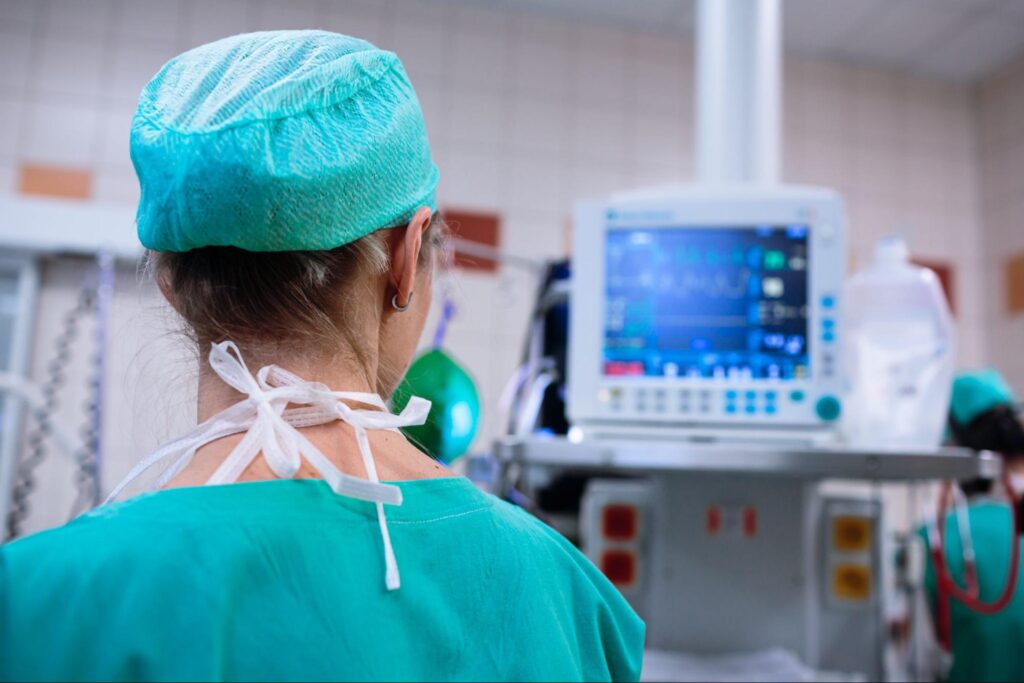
828, 408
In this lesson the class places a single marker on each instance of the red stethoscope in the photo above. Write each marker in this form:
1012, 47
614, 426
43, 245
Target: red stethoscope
945, 587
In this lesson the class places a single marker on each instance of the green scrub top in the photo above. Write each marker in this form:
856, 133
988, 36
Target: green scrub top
985, 647
284, 580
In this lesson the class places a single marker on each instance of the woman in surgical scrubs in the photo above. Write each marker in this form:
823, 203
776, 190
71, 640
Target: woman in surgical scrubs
288, 206
983, 647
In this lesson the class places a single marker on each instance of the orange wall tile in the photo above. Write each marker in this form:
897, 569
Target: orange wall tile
474, 226
55, 181
1015, 284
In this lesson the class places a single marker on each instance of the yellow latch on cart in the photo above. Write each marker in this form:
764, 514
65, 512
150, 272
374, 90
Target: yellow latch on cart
851, 534
851, 582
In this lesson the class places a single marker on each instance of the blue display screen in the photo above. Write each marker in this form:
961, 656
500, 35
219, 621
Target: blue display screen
707, 302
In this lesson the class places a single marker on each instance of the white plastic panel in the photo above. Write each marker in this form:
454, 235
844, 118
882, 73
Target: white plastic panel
809, 403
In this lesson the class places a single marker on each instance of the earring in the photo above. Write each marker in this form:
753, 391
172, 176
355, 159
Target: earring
394, 302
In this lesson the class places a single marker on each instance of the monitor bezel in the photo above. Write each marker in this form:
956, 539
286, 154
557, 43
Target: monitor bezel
820, 209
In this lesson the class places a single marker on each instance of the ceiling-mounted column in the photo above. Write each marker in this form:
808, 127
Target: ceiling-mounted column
739, 80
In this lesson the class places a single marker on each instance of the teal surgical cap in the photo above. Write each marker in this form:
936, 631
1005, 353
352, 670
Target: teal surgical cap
975, 393
279, 141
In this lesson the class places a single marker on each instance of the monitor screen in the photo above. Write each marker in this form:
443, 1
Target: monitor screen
703, 302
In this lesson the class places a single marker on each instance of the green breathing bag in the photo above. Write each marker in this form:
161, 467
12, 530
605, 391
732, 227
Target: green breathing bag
454, 417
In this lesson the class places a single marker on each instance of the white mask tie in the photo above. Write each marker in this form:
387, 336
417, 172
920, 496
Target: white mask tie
270, 428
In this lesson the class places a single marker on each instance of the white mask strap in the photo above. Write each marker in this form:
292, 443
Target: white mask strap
270, 428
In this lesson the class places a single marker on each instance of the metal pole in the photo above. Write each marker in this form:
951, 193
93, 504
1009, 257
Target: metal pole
23, 319
104, 298
738, 91
490, 253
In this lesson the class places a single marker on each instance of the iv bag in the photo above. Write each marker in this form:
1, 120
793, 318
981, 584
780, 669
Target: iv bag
899, 354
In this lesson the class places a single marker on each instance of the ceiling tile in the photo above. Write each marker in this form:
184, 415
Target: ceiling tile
651, 15
684, 17
898, 34
959, 40
979, 48
816, 27
1012, 9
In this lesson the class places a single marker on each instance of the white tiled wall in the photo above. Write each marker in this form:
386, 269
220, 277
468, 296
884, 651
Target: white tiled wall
526, 114
902, 151
1001, 157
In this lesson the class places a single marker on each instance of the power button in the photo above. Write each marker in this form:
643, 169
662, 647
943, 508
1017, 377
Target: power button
828, 408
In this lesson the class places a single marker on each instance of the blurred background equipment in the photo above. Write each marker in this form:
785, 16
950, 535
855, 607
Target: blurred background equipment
93, 301
33, 235
536, 393
704, 377
900, 352
454, 415
719, 315
19, 282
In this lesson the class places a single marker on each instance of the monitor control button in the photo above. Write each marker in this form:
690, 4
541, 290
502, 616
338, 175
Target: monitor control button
828, 408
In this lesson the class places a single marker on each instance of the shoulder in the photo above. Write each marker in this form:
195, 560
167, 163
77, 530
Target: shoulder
528, 530
97, 548
69, 571
528, 543
988, 516
120, 573
76, 536
548, 546
601, 614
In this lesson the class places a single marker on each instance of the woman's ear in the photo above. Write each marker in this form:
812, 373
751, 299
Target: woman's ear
405, 256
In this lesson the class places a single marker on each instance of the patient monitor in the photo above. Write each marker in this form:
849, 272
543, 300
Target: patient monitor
708, 308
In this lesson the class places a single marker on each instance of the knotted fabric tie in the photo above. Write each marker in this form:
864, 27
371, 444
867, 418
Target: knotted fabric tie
271, 428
